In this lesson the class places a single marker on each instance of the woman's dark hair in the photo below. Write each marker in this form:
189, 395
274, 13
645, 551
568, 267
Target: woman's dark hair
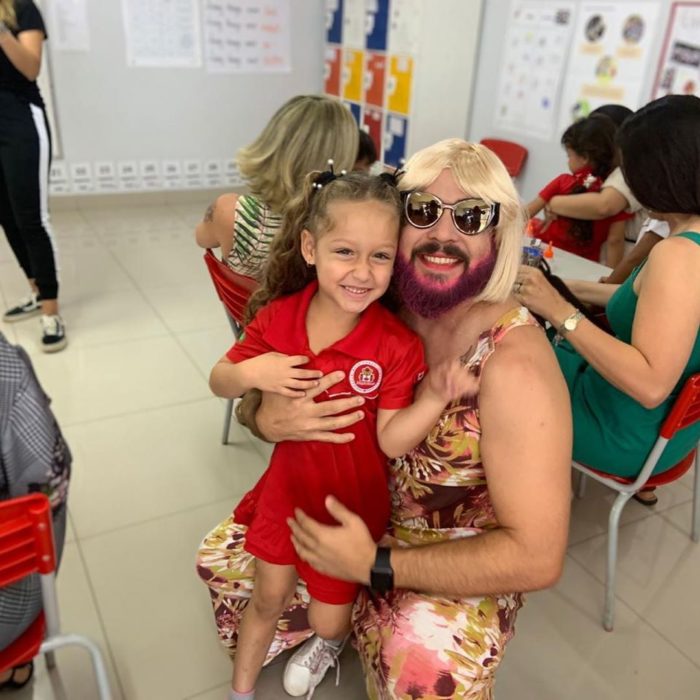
366, 150
618, 113
593, 138
660, 147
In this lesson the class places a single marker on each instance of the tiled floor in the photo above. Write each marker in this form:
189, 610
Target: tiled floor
150, 478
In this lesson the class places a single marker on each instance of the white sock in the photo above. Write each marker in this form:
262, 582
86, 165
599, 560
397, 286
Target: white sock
233, 695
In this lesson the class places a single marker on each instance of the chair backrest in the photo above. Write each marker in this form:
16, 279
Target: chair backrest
233, 289
686, 408
512, 154
26, 538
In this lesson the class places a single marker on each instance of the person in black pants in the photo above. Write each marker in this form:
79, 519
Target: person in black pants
25, 154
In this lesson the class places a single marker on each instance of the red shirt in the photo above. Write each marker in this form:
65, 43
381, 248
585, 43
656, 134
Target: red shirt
558, 230
382, 360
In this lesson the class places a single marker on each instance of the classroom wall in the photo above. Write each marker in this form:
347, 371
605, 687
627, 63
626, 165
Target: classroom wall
107, 111
546, 159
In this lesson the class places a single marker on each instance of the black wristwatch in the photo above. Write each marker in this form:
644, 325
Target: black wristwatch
381, 576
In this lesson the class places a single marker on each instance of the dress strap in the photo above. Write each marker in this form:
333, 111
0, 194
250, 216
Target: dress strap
485, 346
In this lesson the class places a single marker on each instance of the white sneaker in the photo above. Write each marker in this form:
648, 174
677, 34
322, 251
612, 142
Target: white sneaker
308, 665
53, 333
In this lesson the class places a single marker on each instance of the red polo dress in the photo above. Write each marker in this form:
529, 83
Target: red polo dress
558, 230
382, 360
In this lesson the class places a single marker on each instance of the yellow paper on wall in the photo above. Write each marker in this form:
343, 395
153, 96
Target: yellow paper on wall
400, 84
353, 63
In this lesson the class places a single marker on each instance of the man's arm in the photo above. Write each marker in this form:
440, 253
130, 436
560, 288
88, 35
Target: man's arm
216, 228
589, 205
526, 451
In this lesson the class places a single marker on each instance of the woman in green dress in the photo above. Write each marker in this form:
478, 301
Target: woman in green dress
622, 386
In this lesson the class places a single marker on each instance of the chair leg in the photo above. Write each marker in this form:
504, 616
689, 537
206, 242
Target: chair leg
98, 664
227, 421
50, 658
695, 526
610, 573
581, 485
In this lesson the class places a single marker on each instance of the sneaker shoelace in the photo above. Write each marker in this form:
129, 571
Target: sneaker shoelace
323, 653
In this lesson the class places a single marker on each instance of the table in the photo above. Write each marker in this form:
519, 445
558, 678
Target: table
571, 266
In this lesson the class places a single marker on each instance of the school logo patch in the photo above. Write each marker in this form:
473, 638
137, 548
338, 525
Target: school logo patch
365, 376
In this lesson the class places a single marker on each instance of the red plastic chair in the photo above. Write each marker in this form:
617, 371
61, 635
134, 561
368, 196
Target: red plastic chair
234, 290
685, 412
26, 547
512, 154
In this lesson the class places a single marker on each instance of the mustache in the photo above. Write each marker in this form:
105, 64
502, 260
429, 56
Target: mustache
432, 247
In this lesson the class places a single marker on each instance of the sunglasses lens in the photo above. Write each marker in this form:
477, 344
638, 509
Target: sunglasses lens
472, 215
422, 210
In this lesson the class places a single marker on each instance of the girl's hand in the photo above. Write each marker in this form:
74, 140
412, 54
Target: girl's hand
281, 374
532, 290
453, 379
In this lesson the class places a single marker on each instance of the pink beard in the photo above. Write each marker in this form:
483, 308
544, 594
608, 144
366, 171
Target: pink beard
434, 299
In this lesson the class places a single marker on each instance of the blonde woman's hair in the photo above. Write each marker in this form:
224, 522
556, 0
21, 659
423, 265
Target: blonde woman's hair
8, 14
480, 173
301, 136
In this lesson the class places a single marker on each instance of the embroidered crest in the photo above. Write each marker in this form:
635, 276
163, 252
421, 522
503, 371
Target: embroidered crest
365, 376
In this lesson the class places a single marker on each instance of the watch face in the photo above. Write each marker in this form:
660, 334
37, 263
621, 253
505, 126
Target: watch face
570, 324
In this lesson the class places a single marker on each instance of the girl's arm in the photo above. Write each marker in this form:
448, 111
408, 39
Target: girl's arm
399, 431
615, 248
535, 206
589, 205
24, 51
668, 308
271, 371
216, 229
635, 257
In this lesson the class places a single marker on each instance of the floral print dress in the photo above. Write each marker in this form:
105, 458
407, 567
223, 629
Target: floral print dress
413, 646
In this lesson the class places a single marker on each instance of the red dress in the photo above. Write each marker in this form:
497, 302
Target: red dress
558, 230
382, 360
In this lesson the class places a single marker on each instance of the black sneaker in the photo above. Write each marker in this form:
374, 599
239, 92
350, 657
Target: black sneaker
53, 336
27, 307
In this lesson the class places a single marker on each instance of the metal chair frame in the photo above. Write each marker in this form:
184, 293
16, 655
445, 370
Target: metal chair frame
685, 412
27, 547
233, 290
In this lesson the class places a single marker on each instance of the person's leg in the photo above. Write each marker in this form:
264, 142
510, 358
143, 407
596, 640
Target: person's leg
422, 646
228, 570
308, 666
274, 588
26, 166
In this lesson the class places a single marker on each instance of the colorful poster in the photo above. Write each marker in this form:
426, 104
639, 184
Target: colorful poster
609, 57
354, 24
399, 84
395, 135
332, 71
679, 66
334, 21
538, 36
372, 123
353, 64
374, 79
377, 24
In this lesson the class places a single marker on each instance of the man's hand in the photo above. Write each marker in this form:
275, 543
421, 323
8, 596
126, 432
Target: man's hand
346, 551
281, 418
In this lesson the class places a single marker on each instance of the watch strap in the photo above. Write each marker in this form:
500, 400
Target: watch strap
381, 577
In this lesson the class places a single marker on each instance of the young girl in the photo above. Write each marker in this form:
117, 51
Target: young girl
590, 150
318, 311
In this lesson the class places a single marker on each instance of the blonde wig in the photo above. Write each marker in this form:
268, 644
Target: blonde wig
8, 14
480, 173
301, 136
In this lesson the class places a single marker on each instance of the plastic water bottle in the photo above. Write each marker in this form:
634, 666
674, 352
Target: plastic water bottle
532, 256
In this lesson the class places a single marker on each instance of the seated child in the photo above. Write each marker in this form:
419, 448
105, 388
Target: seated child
590, 149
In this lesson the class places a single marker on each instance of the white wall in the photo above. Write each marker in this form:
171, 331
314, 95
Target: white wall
107, 111
546, 159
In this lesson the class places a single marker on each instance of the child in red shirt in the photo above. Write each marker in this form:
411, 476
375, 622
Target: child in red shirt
590, 150
318, 311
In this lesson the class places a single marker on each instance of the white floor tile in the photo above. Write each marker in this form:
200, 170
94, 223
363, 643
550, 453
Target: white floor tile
88, 383
207, 347
100, 318
155, 609
158, 462
561, 651
657, 572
